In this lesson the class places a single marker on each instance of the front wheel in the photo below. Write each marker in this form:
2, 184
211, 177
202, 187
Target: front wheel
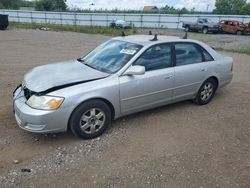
206, 92
90, 119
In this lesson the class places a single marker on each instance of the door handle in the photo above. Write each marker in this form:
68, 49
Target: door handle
168, 77
202, 70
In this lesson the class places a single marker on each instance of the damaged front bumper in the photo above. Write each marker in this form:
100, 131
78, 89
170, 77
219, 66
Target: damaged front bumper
38, 121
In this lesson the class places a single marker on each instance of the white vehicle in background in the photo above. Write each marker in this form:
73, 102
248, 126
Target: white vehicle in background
120, 24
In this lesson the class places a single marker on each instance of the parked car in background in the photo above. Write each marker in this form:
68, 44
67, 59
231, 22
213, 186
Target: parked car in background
4, 21
120, 24
247, 25
204, 25
234, 27
122, 76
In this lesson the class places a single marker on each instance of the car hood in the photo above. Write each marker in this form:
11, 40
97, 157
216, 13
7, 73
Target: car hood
45, 77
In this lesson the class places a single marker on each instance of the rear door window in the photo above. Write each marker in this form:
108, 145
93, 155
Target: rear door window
187, 53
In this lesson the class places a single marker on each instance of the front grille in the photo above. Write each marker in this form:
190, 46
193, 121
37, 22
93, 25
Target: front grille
27, 93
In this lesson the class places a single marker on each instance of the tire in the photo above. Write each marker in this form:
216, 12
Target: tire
205, 30
239, 32
3, 27
206, 92
90, 119
187, 28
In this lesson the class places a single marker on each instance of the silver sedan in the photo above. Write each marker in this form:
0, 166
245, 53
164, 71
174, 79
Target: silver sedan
122, 76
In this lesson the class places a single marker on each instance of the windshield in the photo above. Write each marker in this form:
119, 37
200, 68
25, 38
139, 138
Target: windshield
111, 56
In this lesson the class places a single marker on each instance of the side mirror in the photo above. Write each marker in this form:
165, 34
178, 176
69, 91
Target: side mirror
135, 70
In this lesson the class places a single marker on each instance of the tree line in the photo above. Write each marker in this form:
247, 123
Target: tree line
237, 7
41, 5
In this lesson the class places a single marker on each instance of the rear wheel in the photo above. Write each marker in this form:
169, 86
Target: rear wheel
239, 33
187, 28
206, 92
90, 119
205, 30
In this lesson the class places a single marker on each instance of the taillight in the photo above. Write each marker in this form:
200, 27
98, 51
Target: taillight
232, 67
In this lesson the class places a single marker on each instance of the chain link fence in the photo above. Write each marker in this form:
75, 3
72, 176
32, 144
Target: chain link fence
172, 21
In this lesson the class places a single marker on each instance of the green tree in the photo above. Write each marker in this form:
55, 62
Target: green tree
51, 5
230, 6
10, 4
1, 6
183, 11
25, 3
246, 9
15, 4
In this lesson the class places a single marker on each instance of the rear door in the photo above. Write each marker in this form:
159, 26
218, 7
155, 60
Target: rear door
190, 69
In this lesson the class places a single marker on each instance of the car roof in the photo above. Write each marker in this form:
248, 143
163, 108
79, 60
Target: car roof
145, 39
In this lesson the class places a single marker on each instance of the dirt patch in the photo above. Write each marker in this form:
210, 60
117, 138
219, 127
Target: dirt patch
179, 145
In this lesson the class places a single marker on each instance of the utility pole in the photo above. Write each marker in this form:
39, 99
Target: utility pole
91, 4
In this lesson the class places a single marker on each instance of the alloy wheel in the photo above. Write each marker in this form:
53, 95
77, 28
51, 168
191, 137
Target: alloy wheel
207, 91
92, 120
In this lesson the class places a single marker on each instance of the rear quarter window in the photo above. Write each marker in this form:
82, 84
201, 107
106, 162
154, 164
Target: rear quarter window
207, 56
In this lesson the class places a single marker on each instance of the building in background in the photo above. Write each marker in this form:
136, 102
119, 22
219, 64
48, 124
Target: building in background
150, 8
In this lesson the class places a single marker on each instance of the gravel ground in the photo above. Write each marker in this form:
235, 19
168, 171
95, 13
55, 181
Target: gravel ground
218, 41
179, 145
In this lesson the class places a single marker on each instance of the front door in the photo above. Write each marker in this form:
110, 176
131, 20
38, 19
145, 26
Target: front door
155, 87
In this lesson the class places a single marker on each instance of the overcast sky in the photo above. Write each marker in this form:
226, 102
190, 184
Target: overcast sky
200, 5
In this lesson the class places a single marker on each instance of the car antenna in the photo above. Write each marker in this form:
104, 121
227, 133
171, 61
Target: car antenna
150, 32
155, 38
123, 34
185, 36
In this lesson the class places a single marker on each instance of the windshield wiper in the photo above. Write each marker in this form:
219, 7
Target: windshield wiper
104, 70
80, 60
99, 68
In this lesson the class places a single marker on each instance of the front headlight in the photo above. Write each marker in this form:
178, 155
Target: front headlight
45, 102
